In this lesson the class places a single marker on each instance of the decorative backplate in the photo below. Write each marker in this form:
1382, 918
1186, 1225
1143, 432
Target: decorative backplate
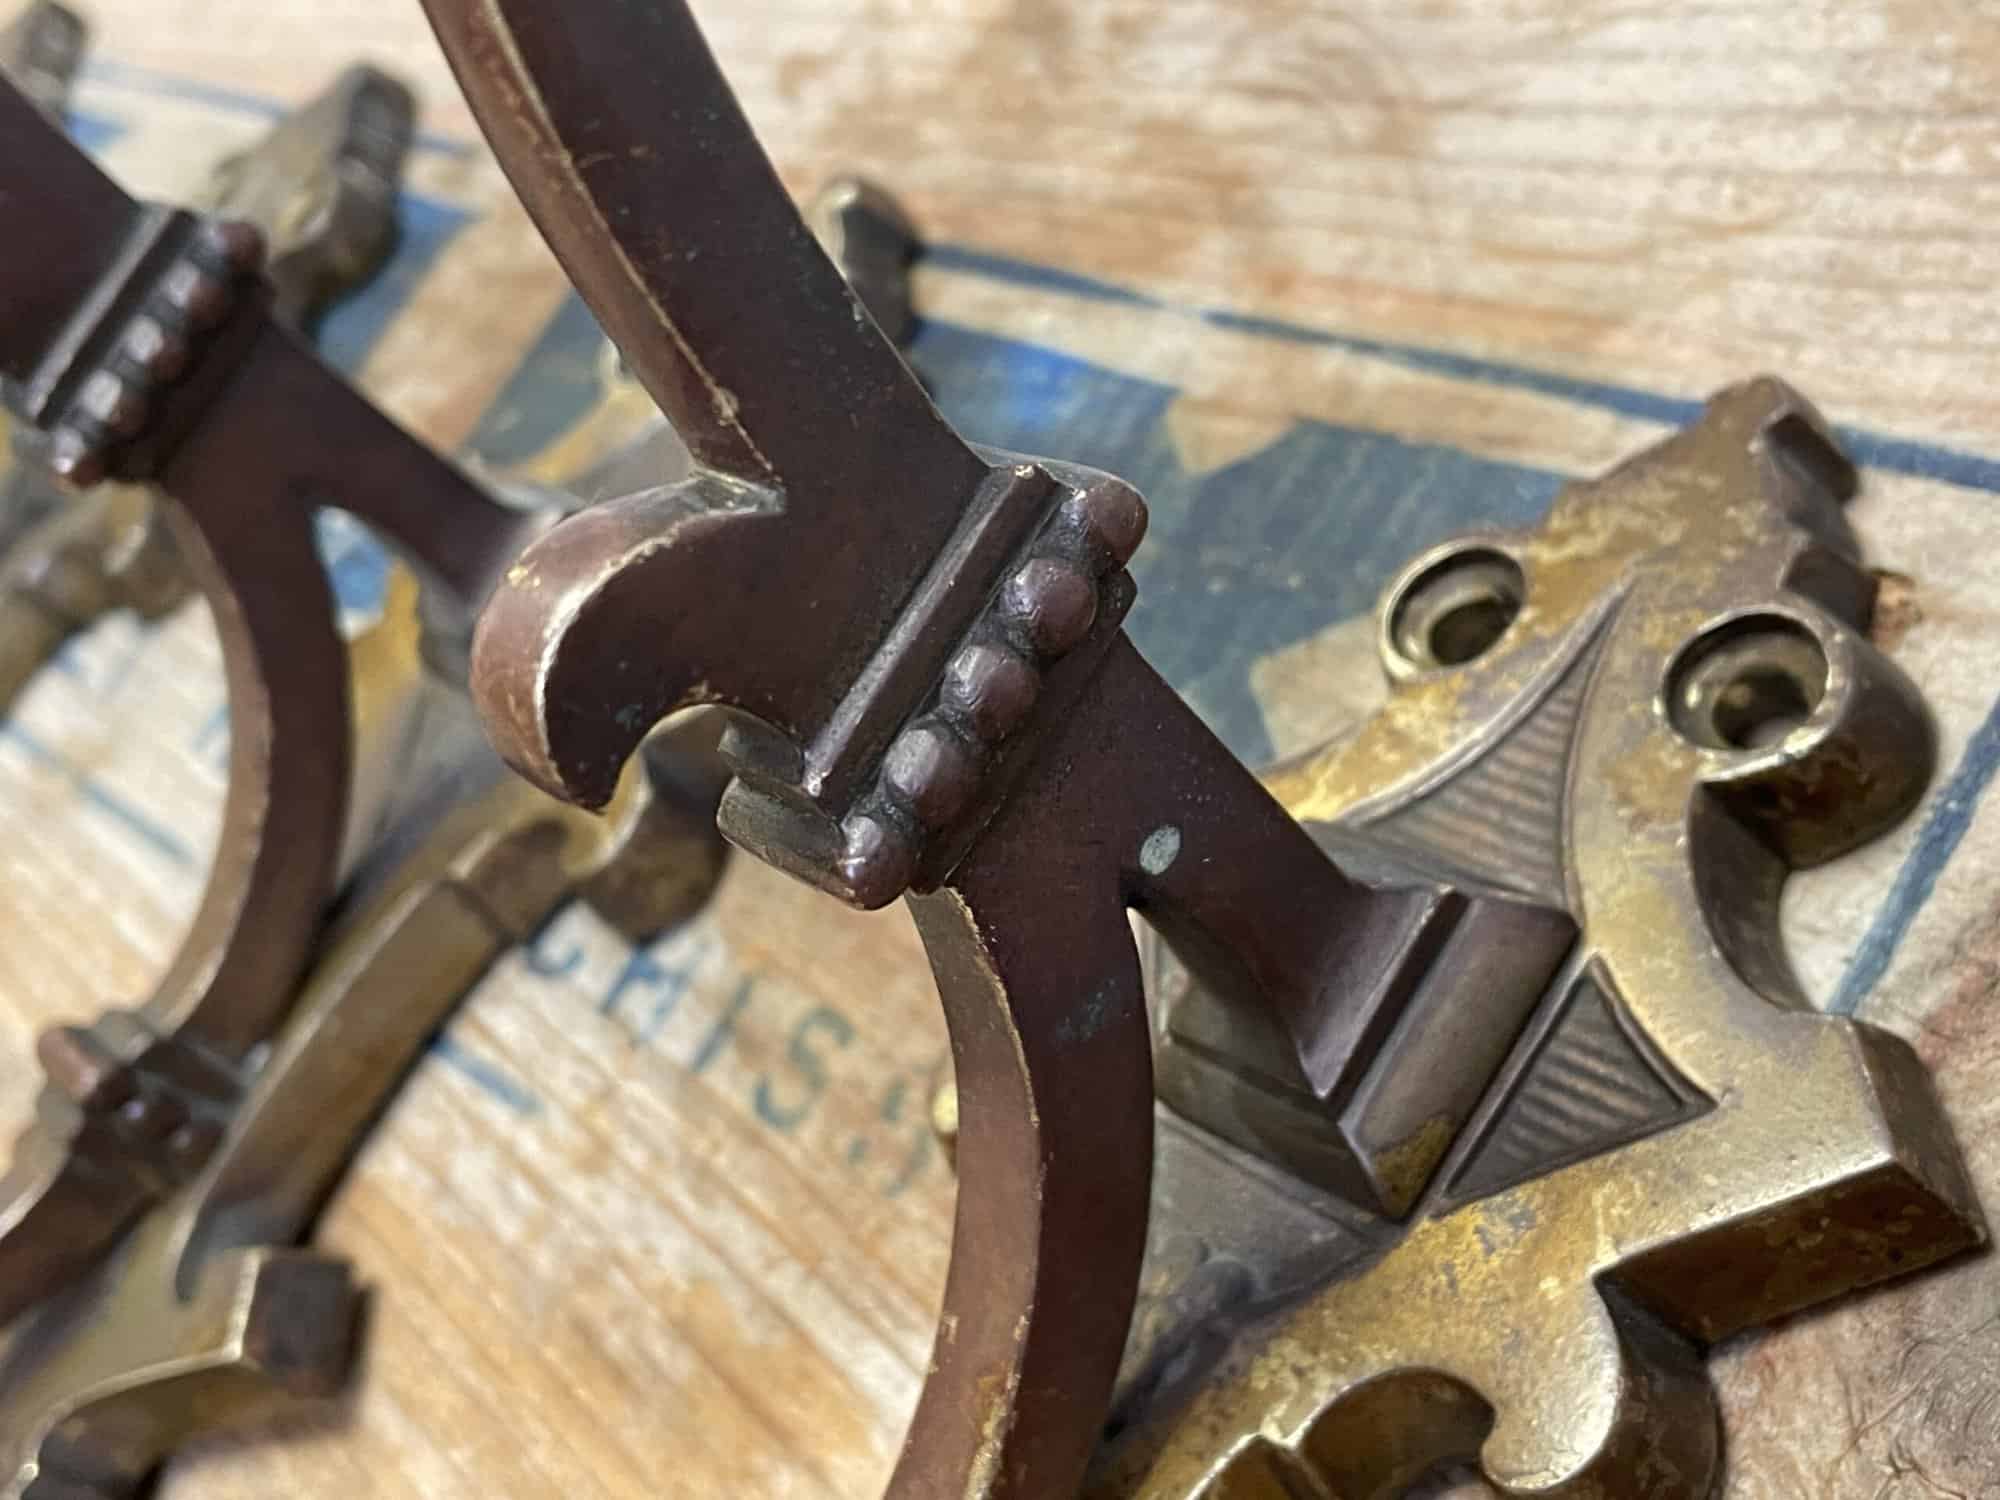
1627, 1135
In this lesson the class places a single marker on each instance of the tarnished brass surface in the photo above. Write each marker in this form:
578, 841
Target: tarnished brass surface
1644, 715
322, 187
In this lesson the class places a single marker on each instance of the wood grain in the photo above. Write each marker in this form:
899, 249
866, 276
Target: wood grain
672, 1225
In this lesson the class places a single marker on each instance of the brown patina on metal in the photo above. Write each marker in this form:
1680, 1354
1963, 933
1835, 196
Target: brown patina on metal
207, 1317
139, 1099
321, 187
41, 52
920, 641
204, 1316
142, 343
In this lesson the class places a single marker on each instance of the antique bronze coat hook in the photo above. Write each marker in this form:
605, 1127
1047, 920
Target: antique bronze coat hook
921, 643
144, 346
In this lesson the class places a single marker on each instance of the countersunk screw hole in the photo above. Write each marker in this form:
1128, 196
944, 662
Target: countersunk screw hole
1760, 707
1468, 629
1457, 609
1746, 684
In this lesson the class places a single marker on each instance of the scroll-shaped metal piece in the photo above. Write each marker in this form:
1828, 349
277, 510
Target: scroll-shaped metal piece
321, 187
1646, 713
922, 645
207, 1316
141, 343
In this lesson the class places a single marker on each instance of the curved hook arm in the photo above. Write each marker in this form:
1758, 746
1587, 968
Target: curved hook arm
207, 1317
89, 1164
142, 341
1034, 962
1048, 1028
619, 132
934, 637
630, 581
1055, 1153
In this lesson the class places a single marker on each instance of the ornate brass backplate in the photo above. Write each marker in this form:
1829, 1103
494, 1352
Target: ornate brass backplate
1620, 1134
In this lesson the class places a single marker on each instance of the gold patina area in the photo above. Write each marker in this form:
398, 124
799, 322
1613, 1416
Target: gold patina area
1641, 716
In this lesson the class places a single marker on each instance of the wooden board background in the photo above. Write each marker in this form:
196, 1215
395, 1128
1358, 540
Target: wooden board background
1331, 279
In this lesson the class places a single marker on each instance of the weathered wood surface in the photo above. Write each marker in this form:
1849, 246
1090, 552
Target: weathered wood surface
671, 1223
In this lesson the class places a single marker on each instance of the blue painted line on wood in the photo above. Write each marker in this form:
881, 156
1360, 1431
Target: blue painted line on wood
1884, 451
555, 385
1945, 824
1247, 558
489, 1079
157, 836
93, 132
425, 227
166, 85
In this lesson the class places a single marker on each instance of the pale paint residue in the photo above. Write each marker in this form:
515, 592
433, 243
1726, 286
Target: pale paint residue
997, 1394
998, 993
1210, 435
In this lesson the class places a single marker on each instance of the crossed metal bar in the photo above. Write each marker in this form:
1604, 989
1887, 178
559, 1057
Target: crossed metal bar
144, 346
922, 642
141, 346
321, 186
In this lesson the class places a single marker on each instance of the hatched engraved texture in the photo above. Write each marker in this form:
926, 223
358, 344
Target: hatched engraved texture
1592, 1084
1499, 821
